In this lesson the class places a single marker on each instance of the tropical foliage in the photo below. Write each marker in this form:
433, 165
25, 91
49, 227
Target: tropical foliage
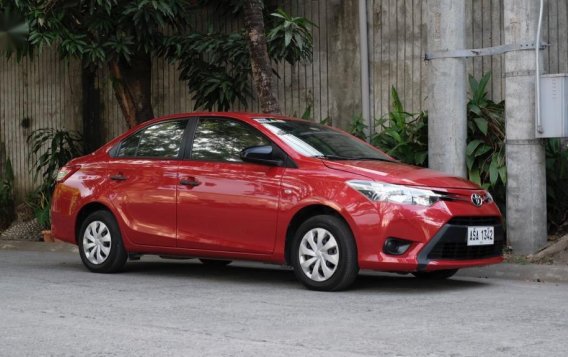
124, 36
118, 35
290, 38
13, 32
556, 183
6, 194
217, 66
404, 135
50, 149
485, 153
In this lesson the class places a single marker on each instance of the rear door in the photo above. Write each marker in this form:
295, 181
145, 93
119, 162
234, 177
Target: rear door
225, 204
144, 176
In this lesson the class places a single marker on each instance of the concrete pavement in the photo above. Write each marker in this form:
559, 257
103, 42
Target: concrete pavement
51, 306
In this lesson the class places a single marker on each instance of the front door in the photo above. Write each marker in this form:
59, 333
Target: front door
225, 204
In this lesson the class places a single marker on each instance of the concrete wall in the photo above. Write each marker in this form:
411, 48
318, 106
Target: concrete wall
49, 91
35, 93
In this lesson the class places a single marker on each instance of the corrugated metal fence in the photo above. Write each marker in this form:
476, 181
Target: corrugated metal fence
46, 92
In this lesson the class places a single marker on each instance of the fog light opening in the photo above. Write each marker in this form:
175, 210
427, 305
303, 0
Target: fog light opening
396, 246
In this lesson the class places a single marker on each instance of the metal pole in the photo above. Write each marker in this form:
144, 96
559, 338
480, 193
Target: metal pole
447, 120
364, 54
537, 64
526, 183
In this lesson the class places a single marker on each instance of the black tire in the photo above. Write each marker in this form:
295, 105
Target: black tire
435, 275
347, 267
117, 255
215, 263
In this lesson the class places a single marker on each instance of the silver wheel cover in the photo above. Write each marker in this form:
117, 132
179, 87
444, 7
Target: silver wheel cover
97, 242
319, 254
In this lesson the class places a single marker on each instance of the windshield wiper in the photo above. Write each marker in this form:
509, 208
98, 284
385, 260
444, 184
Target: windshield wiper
337, 157
332, 157
371, 158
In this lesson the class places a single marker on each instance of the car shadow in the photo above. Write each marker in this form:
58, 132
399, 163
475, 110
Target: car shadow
277, 276
410, 284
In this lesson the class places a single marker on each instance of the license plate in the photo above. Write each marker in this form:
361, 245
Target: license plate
480, 235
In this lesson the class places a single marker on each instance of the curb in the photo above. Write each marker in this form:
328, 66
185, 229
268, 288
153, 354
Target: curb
38, 246
527, 272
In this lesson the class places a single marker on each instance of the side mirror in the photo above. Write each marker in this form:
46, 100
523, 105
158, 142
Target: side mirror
260, 155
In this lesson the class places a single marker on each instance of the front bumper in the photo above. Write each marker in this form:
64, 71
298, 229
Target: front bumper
448, 249
438, 235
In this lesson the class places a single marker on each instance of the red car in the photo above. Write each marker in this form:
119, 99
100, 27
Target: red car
239, 186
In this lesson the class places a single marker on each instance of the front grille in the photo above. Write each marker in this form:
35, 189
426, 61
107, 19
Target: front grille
461, 251
451, 241
475, 221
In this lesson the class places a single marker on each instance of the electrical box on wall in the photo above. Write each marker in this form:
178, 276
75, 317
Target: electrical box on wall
553, 106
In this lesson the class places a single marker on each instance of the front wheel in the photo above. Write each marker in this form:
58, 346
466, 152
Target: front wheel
100, 243
435, 275
324, 255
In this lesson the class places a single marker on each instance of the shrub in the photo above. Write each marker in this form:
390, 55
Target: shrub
358, 127
485, 153
403, 135
6, 195
556, 183
51, 149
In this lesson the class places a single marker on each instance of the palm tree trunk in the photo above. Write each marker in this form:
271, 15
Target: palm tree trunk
260, 61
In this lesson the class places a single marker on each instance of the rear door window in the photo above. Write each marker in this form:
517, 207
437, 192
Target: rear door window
162, 140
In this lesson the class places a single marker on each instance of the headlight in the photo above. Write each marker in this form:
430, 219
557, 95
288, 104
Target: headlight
386, 192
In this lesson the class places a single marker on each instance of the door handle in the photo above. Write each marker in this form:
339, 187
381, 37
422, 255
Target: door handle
190, 182
118, 177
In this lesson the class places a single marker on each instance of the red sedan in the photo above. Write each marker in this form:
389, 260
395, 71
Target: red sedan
236, 186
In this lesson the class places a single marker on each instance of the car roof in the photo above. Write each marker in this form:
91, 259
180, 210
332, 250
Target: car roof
236, 115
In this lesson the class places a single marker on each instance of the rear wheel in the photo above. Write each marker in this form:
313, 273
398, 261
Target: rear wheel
215, 263
324, 255
435, 275
100, 243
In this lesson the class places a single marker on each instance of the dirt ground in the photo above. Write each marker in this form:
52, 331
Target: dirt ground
560, 257
555, 252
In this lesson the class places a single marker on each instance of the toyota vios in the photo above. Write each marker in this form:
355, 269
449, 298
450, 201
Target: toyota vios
236, 186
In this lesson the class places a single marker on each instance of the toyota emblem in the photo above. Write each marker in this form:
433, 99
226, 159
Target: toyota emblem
476, 199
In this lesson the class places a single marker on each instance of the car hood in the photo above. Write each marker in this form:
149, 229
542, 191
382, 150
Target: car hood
402, 174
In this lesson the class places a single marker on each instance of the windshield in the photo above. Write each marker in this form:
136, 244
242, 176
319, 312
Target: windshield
315, 140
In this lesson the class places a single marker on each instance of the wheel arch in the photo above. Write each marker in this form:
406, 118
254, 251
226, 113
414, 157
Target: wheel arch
306, 213
85, 211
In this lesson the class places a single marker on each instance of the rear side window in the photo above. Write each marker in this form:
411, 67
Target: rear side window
162, 140
224, 139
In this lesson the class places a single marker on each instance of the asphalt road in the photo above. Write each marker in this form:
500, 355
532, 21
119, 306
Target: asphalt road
50, 305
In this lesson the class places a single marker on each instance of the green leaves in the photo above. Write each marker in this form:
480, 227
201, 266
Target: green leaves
486, 139
403, 135
51, 149
481, 124
358, 127
100, 30
14, 30
290, 38
6, 184
6, 194
556, 182
216, 67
